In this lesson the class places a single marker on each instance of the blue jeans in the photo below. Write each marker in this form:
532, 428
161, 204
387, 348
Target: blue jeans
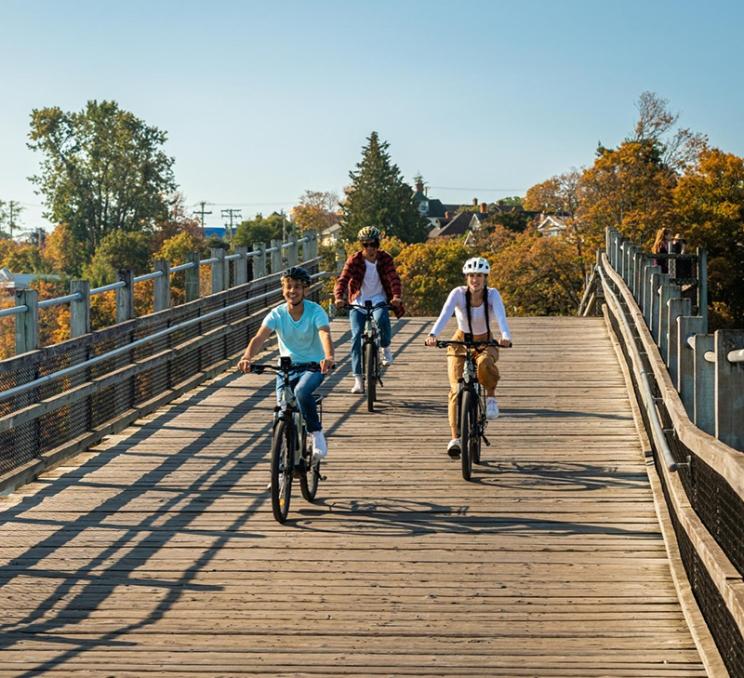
357, 318
304, 384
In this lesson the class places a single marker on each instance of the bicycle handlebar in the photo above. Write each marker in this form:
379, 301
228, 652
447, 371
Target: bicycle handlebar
470, 344
306, 367
382, 304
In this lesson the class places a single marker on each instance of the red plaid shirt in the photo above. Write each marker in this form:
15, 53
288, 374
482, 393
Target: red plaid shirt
349, 283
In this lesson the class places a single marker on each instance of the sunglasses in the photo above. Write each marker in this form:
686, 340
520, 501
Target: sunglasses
370, 244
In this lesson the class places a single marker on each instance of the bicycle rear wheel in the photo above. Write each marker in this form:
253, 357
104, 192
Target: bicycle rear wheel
370, 365
282, 459
476, 428
466, 434
310, 479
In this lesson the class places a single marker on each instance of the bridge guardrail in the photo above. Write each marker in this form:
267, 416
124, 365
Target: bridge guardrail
61, 399
706, 496
226, 271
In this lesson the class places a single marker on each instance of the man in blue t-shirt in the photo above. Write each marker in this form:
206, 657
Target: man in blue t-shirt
304, 335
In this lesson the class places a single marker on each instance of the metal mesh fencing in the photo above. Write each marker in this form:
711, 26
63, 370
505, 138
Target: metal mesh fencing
184, 356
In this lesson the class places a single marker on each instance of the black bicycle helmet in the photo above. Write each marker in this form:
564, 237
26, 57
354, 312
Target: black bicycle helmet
297, 273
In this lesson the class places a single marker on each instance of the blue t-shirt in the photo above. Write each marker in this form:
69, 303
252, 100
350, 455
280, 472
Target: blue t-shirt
299, 339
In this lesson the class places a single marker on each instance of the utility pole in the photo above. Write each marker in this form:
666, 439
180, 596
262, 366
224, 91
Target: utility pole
202, 214
231, 214
13, 206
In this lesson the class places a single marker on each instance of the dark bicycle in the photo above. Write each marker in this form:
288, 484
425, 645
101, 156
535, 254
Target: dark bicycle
291, 452
471, 405
371, 351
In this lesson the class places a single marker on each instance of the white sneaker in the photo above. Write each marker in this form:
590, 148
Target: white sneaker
454, 448
492, 408
387, 356
358, 386
320, 446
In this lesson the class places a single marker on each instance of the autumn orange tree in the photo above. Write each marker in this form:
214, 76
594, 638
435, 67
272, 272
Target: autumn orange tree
315, 211
428, 271
709, 207
537, 275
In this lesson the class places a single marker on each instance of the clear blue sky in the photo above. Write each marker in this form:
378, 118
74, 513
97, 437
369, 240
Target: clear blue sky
263, 100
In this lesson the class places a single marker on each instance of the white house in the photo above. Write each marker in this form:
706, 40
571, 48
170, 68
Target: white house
551, 226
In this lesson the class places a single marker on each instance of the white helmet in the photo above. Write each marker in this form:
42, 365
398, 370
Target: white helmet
476, 265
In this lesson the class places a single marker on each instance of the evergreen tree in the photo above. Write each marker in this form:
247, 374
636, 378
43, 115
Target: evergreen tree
378, 196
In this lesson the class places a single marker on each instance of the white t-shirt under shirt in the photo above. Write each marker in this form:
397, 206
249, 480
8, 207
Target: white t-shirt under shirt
372, 289
456, 304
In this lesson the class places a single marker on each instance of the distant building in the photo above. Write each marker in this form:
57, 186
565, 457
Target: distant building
551, 226
21, 281
215, 231
331, 235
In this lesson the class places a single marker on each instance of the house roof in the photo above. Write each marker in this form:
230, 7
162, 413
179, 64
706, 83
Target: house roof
551, 222
457, 226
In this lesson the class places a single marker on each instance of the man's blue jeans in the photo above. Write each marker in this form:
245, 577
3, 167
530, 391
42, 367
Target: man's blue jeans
304, 384
357, 318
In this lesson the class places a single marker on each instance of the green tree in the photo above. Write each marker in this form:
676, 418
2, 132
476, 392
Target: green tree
119, 250
9, 213
103, 170
378, 196
261, 229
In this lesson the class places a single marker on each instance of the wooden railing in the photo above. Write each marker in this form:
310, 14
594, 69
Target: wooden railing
58, 400
690, 388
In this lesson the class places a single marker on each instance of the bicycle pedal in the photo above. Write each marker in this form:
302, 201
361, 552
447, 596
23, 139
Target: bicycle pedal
323, 478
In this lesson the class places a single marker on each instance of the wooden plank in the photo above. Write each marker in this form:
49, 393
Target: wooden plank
155, 553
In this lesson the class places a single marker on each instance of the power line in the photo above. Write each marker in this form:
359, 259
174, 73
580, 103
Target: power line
202, 213
231, 214
482, 190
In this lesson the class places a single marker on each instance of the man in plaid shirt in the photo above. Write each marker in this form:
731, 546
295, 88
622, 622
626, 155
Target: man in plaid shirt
369, 275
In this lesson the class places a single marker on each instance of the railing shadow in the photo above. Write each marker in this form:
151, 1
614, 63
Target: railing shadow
139, 541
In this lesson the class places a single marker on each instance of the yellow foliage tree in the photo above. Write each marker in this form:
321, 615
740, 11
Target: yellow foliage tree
62, 252
709, 203
537, 275
629, 189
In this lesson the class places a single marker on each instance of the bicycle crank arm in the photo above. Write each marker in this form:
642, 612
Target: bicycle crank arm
485, 440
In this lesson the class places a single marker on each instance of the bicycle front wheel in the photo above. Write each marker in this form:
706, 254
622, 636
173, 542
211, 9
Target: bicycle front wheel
467, 433
282, 459
311, 477
370, 364
475, 426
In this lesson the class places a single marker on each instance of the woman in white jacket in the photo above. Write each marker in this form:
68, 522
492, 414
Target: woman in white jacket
474, 305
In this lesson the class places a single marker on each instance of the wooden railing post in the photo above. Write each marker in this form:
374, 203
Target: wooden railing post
259, 260
161, 286
125, 297
687, 326
27, 324
657, 280
218, 269
704, 410
648, 287
702, 283
668, 291
241, 266
291, 250
729, 389
191, 278
677, 308
276, 256
80, 309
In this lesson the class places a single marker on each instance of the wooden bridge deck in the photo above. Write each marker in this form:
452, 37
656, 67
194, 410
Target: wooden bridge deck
157, 553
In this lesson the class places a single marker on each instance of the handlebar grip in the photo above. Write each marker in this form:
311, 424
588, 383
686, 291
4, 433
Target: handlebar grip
258, 369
